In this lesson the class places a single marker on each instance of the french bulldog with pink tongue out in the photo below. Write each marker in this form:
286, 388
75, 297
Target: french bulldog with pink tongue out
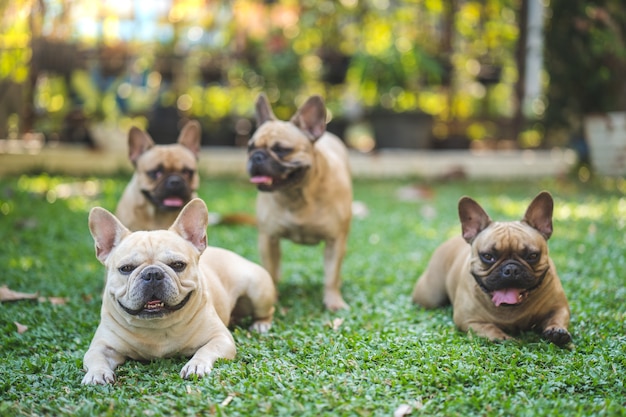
165, 179
498, 275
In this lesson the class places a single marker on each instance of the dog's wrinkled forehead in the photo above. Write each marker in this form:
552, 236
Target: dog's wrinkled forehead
509, 237
148, 247
174, 157
279, 131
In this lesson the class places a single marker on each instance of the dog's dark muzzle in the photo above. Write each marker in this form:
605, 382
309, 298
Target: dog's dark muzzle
172, 193
175, 183
258, 157
260, 162
510, 274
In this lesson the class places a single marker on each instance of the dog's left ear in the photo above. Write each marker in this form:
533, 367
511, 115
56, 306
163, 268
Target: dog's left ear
192, 222
263, 110
190, 137
311, 117
473, 218
138, 142
107, 232
539, 214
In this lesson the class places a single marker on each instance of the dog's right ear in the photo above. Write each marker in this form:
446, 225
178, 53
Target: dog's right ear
311, 117
473, 218
191, 137
264, 111
138, 142
107, 232
192, 222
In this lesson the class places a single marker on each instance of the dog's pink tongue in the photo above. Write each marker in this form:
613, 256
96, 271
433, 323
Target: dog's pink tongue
261, 179
173, 202
506, 296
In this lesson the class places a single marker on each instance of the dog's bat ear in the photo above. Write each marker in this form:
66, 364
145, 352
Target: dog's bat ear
107, 232
473, 218
138, 142
190, 137
539, 214
263, 109
192, 222
311, 117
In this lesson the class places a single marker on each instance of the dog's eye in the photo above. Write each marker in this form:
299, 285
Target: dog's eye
126, 269
280, 150
532, 257
487, 258
155, 174
188, 172
178, 266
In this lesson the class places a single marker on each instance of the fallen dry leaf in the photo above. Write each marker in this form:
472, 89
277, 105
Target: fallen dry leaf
20, 327
360, 210
415, 192
336, 323
59, 301
227, 400
7, 294
402, 410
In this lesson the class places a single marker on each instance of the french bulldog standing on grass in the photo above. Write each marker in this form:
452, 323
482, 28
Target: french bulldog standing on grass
169, 294
498, 275
165, 179
305, 187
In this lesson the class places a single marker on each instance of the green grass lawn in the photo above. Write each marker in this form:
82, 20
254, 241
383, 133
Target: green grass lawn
386, 353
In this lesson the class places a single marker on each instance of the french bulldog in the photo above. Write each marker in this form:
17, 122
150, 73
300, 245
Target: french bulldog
305, 188
165, 178
498, 275
168, 294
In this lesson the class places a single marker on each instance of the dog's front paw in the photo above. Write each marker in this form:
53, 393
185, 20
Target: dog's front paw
101, 376
334, 302
196, 367
557, 335
261, 326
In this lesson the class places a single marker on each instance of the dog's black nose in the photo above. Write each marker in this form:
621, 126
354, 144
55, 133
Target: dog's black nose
174, 182
152, 274
511, 271
258, 157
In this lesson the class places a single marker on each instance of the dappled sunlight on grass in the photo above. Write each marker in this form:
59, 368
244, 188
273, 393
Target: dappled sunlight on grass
598, 209
80, 194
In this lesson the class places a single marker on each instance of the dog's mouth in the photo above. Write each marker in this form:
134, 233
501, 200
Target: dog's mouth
155, 308
173, 202
169, 202
509, 292
508, 296
271, 183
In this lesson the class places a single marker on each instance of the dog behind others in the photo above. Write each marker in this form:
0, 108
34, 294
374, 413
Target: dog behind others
305, 189
165, 178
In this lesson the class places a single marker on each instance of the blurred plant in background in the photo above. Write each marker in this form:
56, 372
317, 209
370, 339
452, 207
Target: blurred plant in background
449, 68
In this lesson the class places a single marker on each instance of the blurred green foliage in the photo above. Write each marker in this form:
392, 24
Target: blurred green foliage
585, 60
403, 55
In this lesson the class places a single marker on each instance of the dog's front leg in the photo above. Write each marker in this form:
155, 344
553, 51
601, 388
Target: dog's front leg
269, 248
220, 345
100, 362
555, 327
488, 330
333, 256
